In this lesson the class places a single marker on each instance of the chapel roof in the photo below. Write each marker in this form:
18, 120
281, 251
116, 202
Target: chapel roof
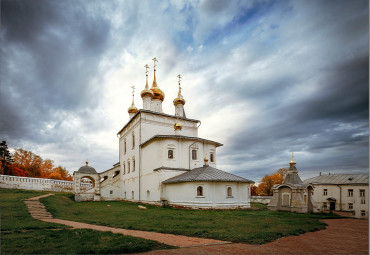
182, 137
87, 170
206, 174
344, 179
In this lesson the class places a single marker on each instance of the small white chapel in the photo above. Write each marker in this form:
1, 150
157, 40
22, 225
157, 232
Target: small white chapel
163, 161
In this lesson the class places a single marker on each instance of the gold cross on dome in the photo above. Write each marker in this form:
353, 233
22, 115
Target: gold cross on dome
146, 69
155, 60
133, 90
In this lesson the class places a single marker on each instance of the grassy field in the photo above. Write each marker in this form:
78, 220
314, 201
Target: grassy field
21, 234
249, 226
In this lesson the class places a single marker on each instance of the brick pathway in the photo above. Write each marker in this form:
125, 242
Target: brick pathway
38, 211
341, 236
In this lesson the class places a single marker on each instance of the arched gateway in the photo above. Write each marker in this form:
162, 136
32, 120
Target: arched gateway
86, 184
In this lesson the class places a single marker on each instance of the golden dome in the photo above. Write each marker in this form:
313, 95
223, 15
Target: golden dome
179, 100
146, 92
177, 126
158, 93
132, 109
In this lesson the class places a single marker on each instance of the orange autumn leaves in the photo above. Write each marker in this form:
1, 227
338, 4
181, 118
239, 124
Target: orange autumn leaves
264, 188
28, 164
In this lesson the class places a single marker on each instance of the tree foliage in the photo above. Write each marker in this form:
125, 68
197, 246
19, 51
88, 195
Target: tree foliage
265, 186
27, 163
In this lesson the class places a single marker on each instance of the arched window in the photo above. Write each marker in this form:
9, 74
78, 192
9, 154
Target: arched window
170, 154
212, 157
132, 194
128, 166
124, 146
133, 140
229, 192
133, 164
124, 168
200, 191
194, 154
147, 195
125, 195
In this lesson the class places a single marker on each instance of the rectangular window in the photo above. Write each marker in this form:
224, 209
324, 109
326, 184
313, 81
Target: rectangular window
124, 147
133, 140
350, 192
170, 154
194, 154
350, 206
128, 167
133, 165
363, 201
325, 192
362, 193
212, 157
286, 200
124, 168
363, 213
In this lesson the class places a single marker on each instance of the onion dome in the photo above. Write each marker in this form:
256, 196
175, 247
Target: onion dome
158, 94
179, 99
177, 126
132, 108
87, 169
146, 92
205, 160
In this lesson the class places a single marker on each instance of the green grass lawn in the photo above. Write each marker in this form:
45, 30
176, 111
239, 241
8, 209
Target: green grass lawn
21, 234
249, 226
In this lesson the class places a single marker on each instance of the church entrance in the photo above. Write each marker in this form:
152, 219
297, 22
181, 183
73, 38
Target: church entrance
332, 206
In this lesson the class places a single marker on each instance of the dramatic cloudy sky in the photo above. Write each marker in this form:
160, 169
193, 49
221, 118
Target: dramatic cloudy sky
265, 78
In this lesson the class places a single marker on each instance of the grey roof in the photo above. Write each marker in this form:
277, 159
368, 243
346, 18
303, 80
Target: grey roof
206, 174
171, 168
182, 137
292, 178
344, 179
87, 170
156, 113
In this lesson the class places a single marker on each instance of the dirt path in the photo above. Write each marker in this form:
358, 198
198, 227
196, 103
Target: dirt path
341, 236
38, 211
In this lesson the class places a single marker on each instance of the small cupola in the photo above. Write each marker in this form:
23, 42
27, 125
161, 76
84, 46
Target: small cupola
132, 110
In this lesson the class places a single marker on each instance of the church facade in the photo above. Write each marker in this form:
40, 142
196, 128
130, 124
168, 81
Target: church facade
163, 161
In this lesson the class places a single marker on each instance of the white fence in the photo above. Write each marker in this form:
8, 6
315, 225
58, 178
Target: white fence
30, 183
261, 199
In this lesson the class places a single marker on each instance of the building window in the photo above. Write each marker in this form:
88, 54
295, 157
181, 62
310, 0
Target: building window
133, 140
350, 206
125, 195
111, 192
124, 168
325, 192
116, 173
133, 164
286, 200
194, 155
362, 193
147, 195
212, 157
132, 194
170, 154
128, 166
124, 146
363, 213
200, 191
350, 192
305, 199
363, 201
229, 192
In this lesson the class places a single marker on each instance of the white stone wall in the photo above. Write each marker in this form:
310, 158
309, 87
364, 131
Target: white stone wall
110, 187
340, 193
261, 199
30, 183
214, 195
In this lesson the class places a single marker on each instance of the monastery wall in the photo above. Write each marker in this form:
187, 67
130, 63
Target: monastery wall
30, 183
261, 199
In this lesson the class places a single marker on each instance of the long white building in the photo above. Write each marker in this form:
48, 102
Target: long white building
162, 160
342, 192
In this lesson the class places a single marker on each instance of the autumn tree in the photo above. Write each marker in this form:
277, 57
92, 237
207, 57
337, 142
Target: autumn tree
265, 186
5, 159
254, 191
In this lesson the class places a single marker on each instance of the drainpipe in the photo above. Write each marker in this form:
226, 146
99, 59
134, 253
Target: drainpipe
340, 197
140, 161
190, 153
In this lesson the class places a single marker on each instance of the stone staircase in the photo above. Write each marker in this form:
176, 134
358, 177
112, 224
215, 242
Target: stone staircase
37, 209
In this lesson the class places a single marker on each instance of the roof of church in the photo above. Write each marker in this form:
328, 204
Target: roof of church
87, 170
344, 179
156, 113
206, 174
181, 137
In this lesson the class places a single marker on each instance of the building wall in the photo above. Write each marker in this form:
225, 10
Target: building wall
261, 199
214, 195
340, 193
30, 183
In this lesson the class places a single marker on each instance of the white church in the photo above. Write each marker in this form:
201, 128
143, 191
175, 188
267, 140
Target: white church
163, 161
